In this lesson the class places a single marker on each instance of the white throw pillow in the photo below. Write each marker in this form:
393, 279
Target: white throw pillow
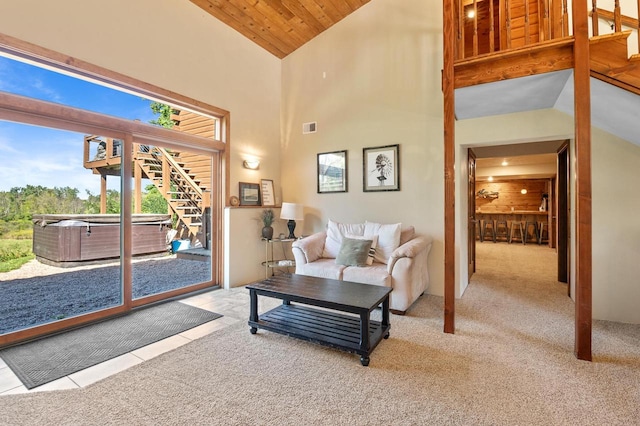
335, 232
372, 249
388, 239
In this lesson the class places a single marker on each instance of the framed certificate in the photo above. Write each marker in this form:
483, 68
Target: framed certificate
268, 197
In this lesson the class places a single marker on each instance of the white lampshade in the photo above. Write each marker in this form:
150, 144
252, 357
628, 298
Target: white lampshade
291, 211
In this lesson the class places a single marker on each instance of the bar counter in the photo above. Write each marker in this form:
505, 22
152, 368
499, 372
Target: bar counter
534, 216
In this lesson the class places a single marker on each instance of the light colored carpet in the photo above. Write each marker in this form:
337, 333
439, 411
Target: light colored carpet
510, 362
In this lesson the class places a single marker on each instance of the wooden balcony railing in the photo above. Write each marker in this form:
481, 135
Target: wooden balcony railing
488, 26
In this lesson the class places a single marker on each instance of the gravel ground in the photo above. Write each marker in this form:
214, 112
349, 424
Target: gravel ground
38, 293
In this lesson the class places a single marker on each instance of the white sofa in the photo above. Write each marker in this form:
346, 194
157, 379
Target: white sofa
404, 270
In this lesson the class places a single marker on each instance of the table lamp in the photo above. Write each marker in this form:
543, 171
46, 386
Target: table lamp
292, 212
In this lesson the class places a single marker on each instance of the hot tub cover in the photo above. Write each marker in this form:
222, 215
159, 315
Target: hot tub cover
95, 219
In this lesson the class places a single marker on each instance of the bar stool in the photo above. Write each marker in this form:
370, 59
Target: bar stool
502, 227
516, 225
542, 228
489, 225
530, 225
479, 231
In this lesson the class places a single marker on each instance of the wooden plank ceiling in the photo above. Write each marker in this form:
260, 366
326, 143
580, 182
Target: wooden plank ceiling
280, 26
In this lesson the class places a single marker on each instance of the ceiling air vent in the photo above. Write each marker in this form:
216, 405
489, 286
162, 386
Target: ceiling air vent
309, 127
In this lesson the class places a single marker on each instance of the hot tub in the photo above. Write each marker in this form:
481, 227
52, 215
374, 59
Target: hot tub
68, 240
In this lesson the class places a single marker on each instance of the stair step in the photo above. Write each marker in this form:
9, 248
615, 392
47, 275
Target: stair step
187, 208
610, 37
191, 215
635, 58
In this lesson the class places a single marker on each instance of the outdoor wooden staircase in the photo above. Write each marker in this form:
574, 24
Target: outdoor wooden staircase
183, 178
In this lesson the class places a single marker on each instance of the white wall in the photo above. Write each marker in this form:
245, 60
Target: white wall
145, 39
371, 80
616, 230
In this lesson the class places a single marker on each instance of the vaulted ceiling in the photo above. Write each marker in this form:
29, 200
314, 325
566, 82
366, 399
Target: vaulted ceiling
280, 26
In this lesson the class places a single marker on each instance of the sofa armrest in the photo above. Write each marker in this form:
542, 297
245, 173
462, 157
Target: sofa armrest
309, 249
409, 270
410, 249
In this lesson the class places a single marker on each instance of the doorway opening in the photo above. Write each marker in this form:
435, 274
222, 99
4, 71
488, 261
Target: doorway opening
514, 205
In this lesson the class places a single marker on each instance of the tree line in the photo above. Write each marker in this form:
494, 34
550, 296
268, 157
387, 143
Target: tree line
19, 204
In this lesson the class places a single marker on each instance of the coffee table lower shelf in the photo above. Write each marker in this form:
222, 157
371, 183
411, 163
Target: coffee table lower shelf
322, 327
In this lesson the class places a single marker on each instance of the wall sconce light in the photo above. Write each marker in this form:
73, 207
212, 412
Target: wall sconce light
523, 191
471, 14
251, 164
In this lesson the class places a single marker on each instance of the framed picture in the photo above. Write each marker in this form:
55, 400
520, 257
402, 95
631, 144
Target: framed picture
268, 197
332, 172
249, 194
381, 168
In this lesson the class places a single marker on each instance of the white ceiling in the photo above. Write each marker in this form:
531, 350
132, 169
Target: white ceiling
614, 110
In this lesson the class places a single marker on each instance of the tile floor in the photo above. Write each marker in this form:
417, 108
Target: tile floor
233, 304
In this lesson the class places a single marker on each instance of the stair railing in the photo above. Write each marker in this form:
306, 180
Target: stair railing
481, 29
615, 19
173, 174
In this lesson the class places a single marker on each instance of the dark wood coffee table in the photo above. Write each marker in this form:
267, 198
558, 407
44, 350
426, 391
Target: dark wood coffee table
351, 333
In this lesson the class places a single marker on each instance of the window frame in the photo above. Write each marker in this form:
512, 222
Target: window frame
31, 111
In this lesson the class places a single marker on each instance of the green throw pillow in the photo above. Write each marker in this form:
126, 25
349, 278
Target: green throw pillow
353, 252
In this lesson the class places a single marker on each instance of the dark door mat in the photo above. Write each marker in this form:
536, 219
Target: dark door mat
51, 358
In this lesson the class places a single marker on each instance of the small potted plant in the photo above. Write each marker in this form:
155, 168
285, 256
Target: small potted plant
267, 218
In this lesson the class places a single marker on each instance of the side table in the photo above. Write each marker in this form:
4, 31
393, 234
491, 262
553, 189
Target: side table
270, 263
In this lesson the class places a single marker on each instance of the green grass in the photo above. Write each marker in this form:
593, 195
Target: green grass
14, 253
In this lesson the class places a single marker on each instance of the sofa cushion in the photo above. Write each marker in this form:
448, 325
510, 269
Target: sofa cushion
388, 239
376, 274
321, 268
335, 233
353, 252
372, 249
407, 234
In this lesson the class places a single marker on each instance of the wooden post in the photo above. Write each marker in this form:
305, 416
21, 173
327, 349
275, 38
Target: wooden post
449, 162
475, 28
137, 201
507, 7
460, 32
492, 35
565, 19
527, 30
617, 18
582, 107
103, 193
594, 18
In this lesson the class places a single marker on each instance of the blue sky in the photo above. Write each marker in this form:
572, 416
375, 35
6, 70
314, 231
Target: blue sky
48, 157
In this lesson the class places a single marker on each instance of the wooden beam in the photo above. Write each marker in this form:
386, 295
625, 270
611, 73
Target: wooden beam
449, 165
540, 58
582, 108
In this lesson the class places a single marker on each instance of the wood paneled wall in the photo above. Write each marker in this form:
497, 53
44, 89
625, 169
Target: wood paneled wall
509, 195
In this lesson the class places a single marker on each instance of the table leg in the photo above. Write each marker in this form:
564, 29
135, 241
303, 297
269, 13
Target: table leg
253, 315
385, 316
364, 336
